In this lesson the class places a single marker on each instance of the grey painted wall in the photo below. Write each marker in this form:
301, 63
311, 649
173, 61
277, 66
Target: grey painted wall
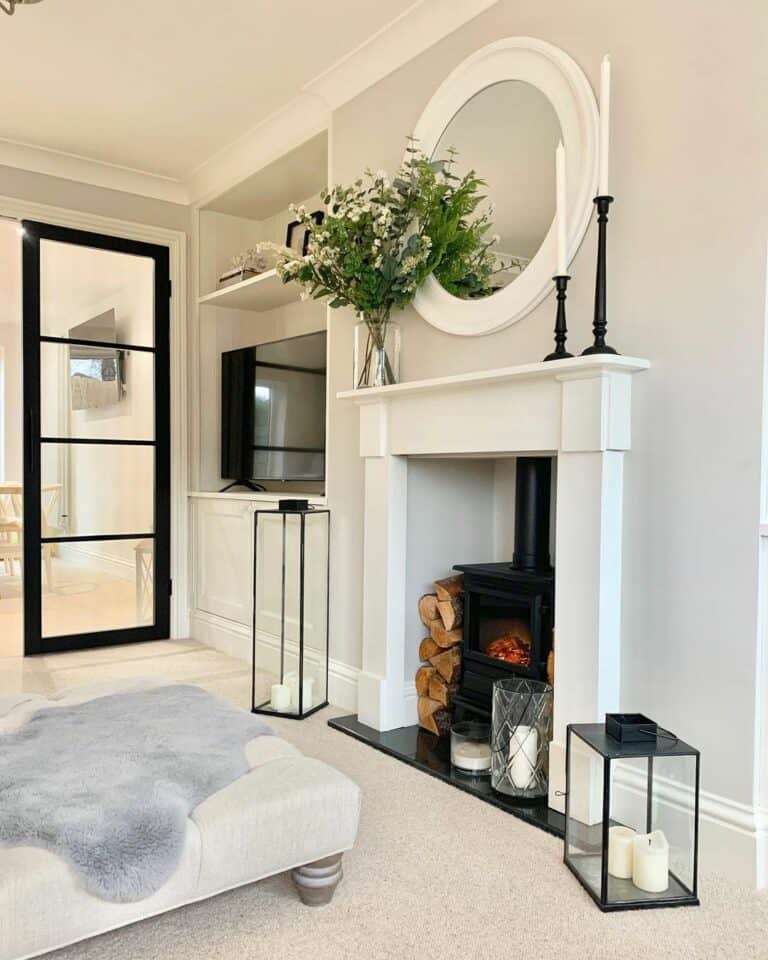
687, 262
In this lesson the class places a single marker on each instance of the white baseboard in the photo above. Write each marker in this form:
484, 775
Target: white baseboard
411, 702
229, 637
733, 836
235, 640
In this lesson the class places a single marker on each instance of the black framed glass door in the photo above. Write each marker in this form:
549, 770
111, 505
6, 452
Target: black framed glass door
96, 505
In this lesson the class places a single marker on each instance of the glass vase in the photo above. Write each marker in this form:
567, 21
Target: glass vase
470, 750
377, 353
522, 729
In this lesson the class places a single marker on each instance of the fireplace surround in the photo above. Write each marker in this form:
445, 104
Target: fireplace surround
577, 410
509, 606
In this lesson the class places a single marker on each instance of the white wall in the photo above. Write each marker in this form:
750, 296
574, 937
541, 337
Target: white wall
11, 427
686, 284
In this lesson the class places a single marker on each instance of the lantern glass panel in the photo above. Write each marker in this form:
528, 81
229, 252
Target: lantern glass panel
290, 644
584, 822
676, 777
316, 604
269, 668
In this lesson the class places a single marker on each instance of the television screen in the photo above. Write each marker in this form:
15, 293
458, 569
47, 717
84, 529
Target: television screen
273, 410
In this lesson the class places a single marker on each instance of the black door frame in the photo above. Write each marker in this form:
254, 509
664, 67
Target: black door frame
34, 642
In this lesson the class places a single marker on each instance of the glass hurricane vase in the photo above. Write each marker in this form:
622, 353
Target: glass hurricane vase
521, 731
377, 353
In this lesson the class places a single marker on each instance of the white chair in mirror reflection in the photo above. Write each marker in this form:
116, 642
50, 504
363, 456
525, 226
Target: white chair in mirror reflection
145, 606
12, 528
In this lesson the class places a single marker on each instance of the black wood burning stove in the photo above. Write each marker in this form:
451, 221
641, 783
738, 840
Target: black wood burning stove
509, 607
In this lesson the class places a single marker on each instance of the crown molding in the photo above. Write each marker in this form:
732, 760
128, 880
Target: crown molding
419, 27
298, 121
97, 173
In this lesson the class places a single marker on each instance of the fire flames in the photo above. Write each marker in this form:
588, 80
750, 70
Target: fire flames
511, 648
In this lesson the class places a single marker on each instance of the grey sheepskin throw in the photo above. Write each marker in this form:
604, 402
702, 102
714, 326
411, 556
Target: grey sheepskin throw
108, 784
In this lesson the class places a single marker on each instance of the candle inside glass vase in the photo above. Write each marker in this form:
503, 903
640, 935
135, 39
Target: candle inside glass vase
470, 748
523, 753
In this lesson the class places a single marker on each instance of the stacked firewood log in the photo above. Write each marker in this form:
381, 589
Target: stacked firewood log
442, 612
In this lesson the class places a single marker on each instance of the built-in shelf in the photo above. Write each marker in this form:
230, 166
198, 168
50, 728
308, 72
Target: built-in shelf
264, 292
291, 178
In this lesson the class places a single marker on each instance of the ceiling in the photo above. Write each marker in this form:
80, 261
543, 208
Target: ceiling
162, 85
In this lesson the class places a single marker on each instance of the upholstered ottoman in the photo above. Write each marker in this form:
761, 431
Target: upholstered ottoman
288, 812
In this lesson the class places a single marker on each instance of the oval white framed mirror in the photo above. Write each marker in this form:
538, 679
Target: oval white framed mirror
503, 110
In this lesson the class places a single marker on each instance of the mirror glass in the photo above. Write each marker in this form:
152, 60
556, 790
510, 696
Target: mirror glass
508, 134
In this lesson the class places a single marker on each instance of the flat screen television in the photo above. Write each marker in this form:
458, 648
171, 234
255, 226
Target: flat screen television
273, 411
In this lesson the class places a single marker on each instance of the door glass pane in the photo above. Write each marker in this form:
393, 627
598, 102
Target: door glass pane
96, 489
96, 393
93, 586
92, 294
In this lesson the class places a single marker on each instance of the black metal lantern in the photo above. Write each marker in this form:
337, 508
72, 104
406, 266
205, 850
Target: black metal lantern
291, 566
632, 813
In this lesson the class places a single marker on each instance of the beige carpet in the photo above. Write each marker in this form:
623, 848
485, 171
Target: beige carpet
436, 875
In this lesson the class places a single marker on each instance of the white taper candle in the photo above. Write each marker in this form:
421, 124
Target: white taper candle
605, 124
561, 211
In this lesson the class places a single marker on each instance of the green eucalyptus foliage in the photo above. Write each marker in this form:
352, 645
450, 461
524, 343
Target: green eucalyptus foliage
380, 240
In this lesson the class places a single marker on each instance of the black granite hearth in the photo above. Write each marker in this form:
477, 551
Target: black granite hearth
423, 750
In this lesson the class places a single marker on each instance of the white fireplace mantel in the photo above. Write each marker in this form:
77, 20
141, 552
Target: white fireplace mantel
578, 410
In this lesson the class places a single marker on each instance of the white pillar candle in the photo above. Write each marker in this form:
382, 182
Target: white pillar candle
621, 843
308, 685
291, 680
280, 699
561, 211
650, 867
605, 124
523, 750
474, 756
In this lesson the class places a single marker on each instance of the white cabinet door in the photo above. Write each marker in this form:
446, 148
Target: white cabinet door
223, 558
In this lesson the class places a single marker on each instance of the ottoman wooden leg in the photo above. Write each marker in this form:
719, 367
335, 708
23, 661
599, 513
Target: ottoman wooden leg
317, 882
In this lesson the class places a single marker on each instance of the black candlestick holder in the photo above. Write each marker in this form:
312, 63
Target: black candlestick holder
600, 323
561, 330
